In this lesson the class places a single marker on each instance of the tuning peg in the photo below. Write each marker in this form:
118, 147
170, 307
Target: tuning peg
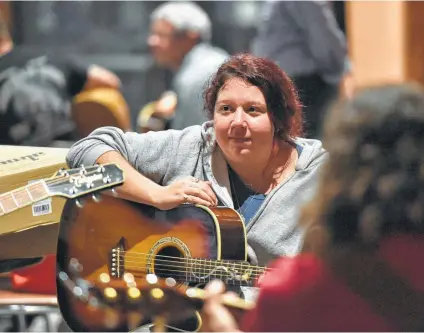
157, 293
170, 282
114, 193
151, 278
82, 170
79, 203
73, 190
101, 169
96, 198
75, 266
89, 185
133, 293
129, 279
104, 278
110, 293
62, 172
107, 180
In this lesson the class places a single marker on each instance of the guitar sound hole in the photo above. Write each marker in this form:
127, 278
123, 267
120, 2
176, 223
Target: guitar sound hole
169, 262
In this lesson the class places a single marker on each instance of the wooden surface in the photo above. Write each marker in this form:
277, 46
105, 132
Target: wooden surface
385, 41
8, 297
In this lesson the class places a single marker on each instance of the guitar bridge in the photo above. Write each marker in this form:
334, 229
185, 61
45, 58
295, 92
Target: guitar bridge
116, 259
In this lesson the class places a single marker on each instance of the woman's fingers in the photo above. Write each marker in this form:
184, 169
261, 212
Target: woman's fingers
203, 190
194, 199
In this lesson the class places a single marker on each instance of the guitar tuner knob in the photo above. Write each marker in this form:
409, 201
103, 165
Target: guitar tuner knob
75, 266
133, 293
79, 203
104, 278
96, 198
73, 190
110, 293
114, 193
170, 282
128, 278
77, 291
157, 293
151, 278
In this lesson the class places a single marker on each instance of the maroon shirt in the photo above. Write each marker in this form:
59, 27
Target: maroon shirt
301, 294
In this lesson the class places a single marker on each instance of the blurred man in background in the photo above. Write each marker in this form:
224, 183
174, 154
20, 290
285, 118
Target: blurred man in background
36, 92
180, 41
303, 37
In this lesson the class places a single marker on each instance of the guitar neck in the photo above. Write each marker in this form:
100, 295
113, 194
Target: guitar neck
71, 183
23, 196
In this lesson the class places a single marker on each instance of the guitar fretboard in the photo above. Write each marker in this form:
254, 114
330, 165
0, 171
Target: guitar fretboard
22, 197
233, 272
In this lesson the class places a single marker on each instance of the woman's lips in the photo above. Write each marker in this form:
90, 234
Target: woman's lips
240, 140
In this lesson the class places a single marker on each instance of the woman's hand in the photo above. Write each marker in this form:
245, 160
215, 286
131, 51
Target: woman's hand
186, 190
215, 317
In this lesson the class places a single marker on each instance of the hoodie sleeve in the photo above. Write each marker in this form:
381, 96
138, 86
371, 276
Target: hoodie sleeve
152, 153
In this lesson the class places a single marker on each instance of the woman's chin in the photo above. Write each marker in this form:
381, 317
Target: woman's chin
242, 152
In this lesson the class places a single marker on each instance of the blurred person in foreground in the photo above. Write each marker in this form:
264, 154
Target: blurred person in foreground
249, 156
36, 92
303, 37
360, 269
180, 41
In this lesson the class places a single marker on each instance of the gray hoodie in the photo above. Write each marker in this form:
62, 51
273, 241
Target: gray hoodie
168, 155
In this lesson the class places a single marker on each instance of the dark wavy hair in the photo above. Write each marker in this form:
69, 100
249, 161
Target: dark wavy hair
279, 91
373, 182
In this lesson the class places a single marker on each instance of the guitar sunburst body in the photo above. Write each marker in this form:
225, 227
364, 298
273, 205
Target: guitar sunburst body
118, 237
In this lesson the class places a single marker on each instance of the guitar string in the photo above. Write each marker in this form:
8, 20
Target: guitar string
212, 266
136, 255
211, 262
197, 270
183, 262
210, 274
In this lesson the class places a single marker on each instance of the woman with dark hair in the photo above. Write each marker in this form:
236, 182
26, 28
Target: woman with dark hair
360, 269
248, 156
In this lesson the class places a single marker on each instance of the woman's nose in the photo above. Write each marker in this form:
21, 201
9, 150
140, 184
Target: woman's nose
239, 117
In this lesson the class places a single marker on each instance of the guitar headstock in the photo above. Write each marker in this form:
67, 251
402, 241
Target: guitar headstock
73, 183
130, 304
150, 296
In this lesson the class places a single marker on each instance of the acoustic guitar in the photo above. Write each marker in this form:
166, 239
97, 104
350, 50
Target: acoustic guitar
191, 244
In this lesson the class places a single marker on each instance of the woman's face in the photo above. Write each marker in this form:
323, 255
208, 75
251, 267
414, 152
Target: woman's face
242, 123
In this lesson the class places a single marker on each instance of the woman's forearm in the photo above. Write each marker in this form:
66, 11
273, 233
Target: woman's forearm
136, 187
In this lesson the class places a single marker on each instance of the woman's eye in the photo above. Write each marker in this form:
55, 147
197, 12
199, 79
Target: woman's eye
225, 108
252, 109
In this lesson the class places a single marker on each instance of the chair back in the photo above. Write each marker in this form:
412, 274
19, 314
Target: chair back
99, 107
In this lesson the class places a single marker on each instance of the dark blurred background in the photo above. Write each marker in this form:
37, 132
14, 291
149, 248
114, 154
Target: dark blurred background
114, 35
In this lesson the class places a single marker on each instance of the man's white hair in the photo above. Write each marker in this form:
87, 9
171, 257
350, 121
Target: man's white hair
185, 16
